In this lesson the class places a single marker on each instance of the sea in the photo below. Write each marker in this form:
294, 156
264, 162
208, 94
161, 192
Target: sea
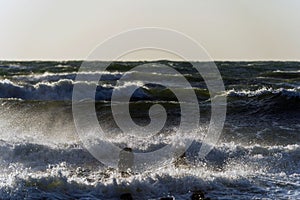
257, 155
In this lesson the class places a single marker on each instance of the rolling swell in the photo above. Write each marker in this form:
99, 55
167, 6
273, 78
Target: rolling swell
62, 90
53, 91
265, 100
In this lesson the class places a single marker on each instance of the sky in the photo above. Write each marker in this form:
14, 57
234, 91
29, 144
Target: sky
227, 29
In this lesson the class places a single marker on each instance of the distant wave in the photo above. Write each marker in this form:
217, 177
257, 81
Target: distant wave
283, 74
264, 91
52, 77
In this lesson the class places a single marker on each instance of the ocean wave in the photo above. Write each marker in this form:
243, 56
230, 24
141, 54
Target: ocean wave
41, 91
275, 158
89, 75
283, 74
38, 171
290, 71
54, 77
41, 156
256, 157
62, 90
264, 91
265, 102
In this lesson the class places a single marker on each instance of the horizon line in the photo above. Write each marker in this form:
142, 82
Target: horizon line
157, 60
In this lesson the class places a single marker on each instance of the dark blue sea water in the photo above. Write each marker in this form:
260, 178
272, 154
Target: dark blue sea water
256, 157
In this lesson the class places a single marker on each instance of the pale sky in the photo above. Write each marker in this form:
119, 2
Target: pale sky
227, 29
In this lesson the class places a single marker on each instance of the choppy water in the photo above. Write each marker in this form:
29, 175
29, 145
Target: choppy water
257, 156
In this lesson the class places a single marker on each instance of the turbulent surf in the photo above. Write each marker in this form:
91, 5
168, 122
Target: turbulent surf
257, 156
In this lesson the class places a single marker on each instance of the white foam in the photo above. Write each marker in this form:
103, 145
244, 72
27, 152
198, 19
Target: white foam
264, 90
